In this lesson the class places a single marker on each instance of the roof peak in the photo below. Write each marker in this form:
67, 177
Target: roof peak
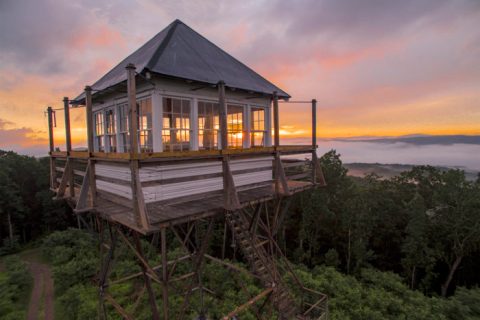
181, 52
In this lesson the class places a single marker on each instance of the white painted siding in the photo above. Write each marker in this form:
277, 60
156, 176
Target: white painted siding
173, 190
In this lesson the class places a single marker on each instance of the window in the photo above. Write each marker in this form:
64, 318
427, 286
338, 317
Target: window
99, 132
208, 125
123, 129
144, 112
257, 127
235, 126
176, 124
111, 134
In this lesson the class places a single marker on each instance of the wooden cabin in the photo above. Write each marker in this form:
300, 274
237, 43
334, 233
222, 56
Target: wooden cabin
179, 133
178, 129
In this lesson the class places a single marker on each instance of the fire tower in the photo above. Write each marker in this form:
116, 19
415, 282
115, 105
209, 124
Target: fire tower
179, 144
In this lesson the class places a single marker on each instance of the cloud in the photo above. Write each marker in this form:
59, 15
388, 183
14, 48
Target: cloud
49, 37
11, 137
376, 67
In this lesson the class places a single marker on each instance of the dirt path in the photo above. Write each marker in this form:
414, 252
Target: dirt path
41, 300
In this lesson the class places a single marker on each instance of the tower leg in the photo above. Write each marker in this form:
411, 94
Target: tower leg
148, 282
164, 273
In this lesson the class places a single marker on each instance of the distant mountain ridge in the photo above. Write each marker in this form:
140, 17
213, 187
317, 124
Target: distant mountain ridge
385, 170
419, 139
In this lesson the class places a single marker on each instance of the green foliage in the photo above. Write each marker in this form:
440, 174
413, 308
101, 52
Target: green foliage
331, 258
73, 256
421, 224
26, 206
383, 295
15, 284
80, 302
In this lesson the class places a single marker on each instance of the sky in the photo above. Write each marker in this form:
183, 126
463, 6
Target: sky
377, 68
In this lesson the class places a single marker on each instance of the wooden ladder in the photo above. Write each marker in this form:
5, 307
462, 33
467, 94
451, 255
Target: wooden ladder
262, 264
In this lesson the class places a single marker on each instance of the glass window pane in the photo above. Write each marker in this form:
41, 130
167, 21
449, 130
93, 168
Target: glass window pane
208, 114
257, 127
176, 124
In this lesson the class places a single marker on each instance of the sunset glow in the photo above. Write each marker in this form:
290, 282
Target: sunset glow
402, 68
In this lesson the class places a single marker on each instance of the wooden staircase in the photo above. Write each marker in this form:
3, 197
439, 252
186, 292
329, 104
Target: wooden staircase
262, 265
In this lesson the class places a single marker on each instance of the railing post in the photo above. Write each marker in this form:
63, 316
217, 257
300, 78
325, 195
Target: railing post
280, 178
53, 170
68, 144
132, 109
230, 196
139, 207
314, 141
276, 120
50, 129
89, 114
90, 128
223, 115
68, 137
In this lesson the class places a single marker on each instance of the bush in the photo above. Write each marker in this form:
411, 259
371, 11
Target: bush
15, 286
383, 295
10, 246
80, 301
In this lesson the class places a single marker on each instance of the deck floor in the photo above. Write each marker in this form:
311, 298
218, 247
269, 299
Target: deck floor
161, 215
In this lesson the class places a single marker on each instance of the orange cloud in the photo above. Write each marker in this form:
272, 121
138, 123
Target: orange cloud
97, 36
23, 136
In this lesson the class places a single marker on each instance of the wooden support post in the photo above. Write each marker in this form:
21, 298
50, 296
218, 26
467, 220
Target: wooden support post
314, 140
89, 114
138, 202
197, 266
83, 196
276, 120
248, 304
317, 174
119, 308
68, 137
63, 181
282, 212
50, 128
53, 170
132, 109
107, 263
223, 115
164, 273
280, 178
230, 195
224, 243
91, 163
148, 283
281, 183
68, 144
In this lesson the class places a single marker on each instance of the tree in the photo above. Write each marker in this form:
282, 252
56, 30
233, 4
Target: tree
456, 221
10, 201
416, 250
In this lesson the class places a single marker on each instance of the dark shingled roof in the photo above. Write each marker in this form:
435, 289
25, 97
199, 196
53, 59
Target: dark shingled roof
179, 51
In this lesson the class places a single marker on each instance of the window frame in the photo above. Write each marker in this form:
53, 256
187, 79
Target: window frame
253, 130
99, 130
174, 131
239, 126
144, 131
110, 129
216, 126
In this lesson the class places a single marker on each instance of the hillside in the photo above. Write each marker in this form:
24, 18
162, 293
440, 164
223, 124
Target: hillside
388, 171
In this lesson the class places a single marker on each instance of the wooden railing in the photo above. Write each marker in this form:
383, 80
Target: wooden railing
124, 156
